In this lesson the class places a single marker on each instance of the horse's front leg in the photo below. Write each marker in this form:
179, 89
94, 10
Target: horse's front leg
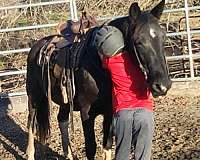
85, 112
30, 151
63, 120
89, 133
107, 154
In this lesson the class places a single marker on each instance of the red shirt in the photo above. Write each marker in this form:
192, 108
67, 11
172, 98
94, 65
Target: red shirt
130, 89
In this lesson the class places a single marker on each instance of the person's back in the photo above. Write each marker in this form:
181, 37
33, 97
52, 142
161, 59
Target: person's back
130, 89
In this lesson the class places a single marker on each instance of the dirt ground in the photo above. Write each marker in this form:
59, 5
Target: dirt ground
176, 137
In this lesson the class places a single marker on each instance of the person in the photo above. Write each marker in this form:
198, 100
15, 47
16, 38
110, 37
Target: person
132, 100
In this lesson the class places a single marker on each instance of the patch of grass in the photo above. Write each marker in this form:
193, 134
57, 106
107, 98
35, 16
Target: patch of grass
56, 17
2, 64
22, 22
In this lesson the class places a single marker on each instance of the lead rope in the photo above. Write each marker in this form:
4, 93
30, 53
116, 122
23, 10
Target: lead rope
70, 93
49, 88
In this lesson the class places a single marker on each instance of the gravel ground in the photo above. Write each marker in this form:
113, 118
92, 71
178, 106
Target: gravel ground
177, 133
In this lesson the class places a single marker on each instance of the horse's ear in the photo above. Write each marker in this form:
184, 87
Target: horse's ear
134, 11
158, 10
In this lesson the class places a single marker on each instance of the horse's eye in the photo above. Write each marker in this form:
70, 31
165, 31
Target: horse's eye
153, 33
164, 38
164, 34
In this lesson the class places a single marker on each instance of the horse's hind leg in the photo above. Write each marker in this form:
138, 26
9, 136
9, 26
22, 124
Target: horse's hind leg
31, 127
107, 131
107, 137
63, 120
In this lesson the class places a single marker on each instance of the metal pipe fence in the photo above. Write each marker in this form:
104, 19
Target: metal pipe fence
73, 13
189, 39
34, 5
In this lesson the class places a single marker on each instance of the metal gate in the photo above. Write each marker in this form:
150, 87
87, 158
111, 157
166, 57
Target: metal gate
73, 16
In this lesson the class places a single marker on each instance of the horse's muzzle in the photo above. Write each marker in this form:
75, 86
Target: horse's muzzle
158, 89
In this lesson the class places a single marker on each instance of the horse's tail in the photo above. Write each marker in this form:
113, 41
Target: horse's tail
43, 122
35, 89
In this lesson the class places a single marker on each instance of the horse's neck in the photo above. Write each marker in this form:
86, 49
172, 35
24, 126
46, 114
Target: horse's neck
121, 23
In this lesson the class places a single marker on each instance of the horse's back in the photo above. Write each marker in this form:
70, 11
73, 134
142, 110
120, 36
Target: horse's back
35, 49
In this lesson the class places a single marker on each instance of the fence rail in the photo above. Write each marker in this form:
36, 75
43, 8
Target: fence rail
4, 53
33, 5
10, 73
28, 28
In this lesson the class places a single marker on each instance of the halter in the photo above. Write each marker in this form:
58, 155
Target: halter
142, 66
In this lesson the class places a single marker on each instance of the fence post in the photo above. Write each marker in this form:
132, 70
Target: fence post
189, 40
73, 10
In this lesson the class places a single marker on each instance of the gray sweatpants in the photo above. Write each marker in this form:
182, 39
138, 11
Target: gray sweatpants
133, 129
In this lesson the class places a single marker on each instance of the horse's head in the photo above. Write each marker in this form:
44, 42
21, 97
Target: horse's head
145, 38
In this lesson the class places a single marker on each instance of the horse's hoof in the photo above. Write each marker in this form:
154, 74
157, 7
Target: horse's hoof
75, 157
30, 155
30, 158
71, 158
68, 157
107, 154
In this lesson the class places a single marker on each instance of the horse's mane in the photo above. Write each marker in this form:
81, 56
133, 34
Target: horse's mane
122, 24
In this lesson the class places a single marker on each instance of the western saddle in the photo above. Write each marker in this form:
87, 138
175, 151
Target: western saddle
71, 28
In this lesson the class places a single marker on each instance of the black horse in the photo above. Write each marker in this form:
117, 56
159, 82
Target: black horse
144, 39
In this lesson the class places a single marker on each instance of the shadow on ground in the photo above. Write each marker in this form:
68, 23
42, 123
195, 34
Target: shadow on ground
13, 138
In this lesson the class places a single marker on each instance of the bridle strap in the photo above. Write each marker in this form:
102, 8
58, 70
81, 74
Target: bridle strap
139, 61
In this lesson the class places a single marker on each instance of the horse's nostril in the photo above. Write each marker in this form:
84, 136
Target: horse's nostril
163, 88
159, 88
